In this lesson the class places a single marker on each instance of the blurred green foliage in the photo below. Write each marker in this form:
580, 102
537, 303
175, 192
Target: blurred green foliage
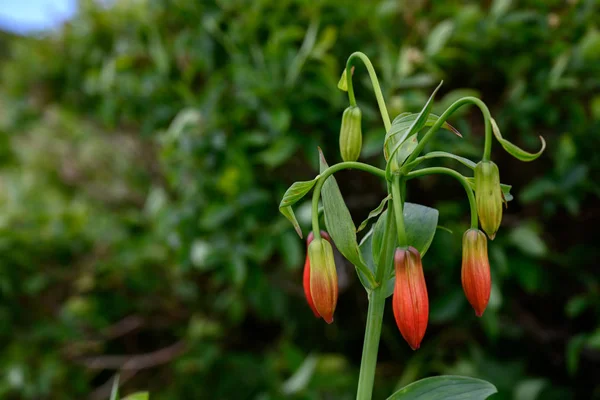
144, 150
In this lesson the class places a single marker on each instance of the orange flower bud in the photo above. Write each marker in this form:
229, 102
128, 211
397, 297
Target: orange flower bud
475, 274
323, 278
410, 301
306, 277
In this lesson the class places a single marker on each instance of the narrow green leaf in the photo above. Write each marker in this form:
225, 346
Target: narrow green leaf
505, 189
400, 129
373, 213
114, 393
338, 219
462, 160
291, 196
343, 82
365, 247
289, 214
138, 396
446, 387
514, 150
419, 122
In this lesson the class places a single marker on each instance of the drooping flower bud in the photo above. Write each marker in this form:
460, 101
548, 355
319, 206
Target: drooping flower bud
323, 278
351, 134
306, 277
488, 195
475, 273
410, 301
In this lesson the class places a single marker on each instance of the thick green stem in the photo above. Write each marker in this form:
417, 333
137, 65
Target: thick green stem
374, 81
438, 124
377, 297
398, 212
368, 363
463, 181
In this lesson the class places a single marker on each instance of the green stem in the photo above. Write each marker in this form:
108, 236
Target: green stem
377, 297
317, 194
399, 213
374, 81
438, 124
368, 362
463, 181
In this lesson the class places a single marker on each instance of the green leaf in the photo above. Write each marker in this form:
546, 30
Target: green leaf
114, 393
462, 160
291, 196
338, 219
420, 223
417, 124
401, 128
343, 82
374, 213
365, 247
446, 387
138, 396
514, 150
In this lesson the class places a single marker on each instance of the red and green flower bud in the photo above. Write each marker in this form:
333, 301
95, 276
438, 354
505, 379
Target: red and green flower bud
306, 277
410, 301
488, 195
475, 273
351, 134
323, 278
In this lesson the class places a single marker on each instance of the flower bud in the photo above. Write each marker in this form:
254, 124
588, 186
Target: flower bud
410, 301
351, 134
475, 273
323, 278
306, 277
488, 195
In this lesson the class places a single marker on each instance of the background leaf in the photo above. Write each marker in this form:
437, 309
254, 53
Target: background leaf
446, 388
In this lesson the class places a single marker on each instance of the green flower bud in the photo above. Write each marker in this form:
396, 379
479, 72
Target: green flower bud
351, 134
489, 197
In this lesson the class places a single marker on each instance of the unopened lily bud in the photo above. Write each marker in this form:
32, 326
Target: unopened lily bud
475, 273
488, 195
351, 134
323, 278
410, 301
306, 277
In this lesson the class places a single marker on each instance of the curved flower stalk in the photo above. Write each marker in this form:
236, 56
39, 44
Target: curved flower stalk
388, 258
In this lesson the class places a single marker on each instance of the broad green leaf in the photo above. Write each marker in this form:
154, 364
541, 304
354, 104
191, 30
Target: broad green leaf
291, 196
138, 396
420, 223
514, 150
418, 123
505, 189
373, 213
406, 149
446, 387
462, 160
338, 219
400, 129
114, 393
